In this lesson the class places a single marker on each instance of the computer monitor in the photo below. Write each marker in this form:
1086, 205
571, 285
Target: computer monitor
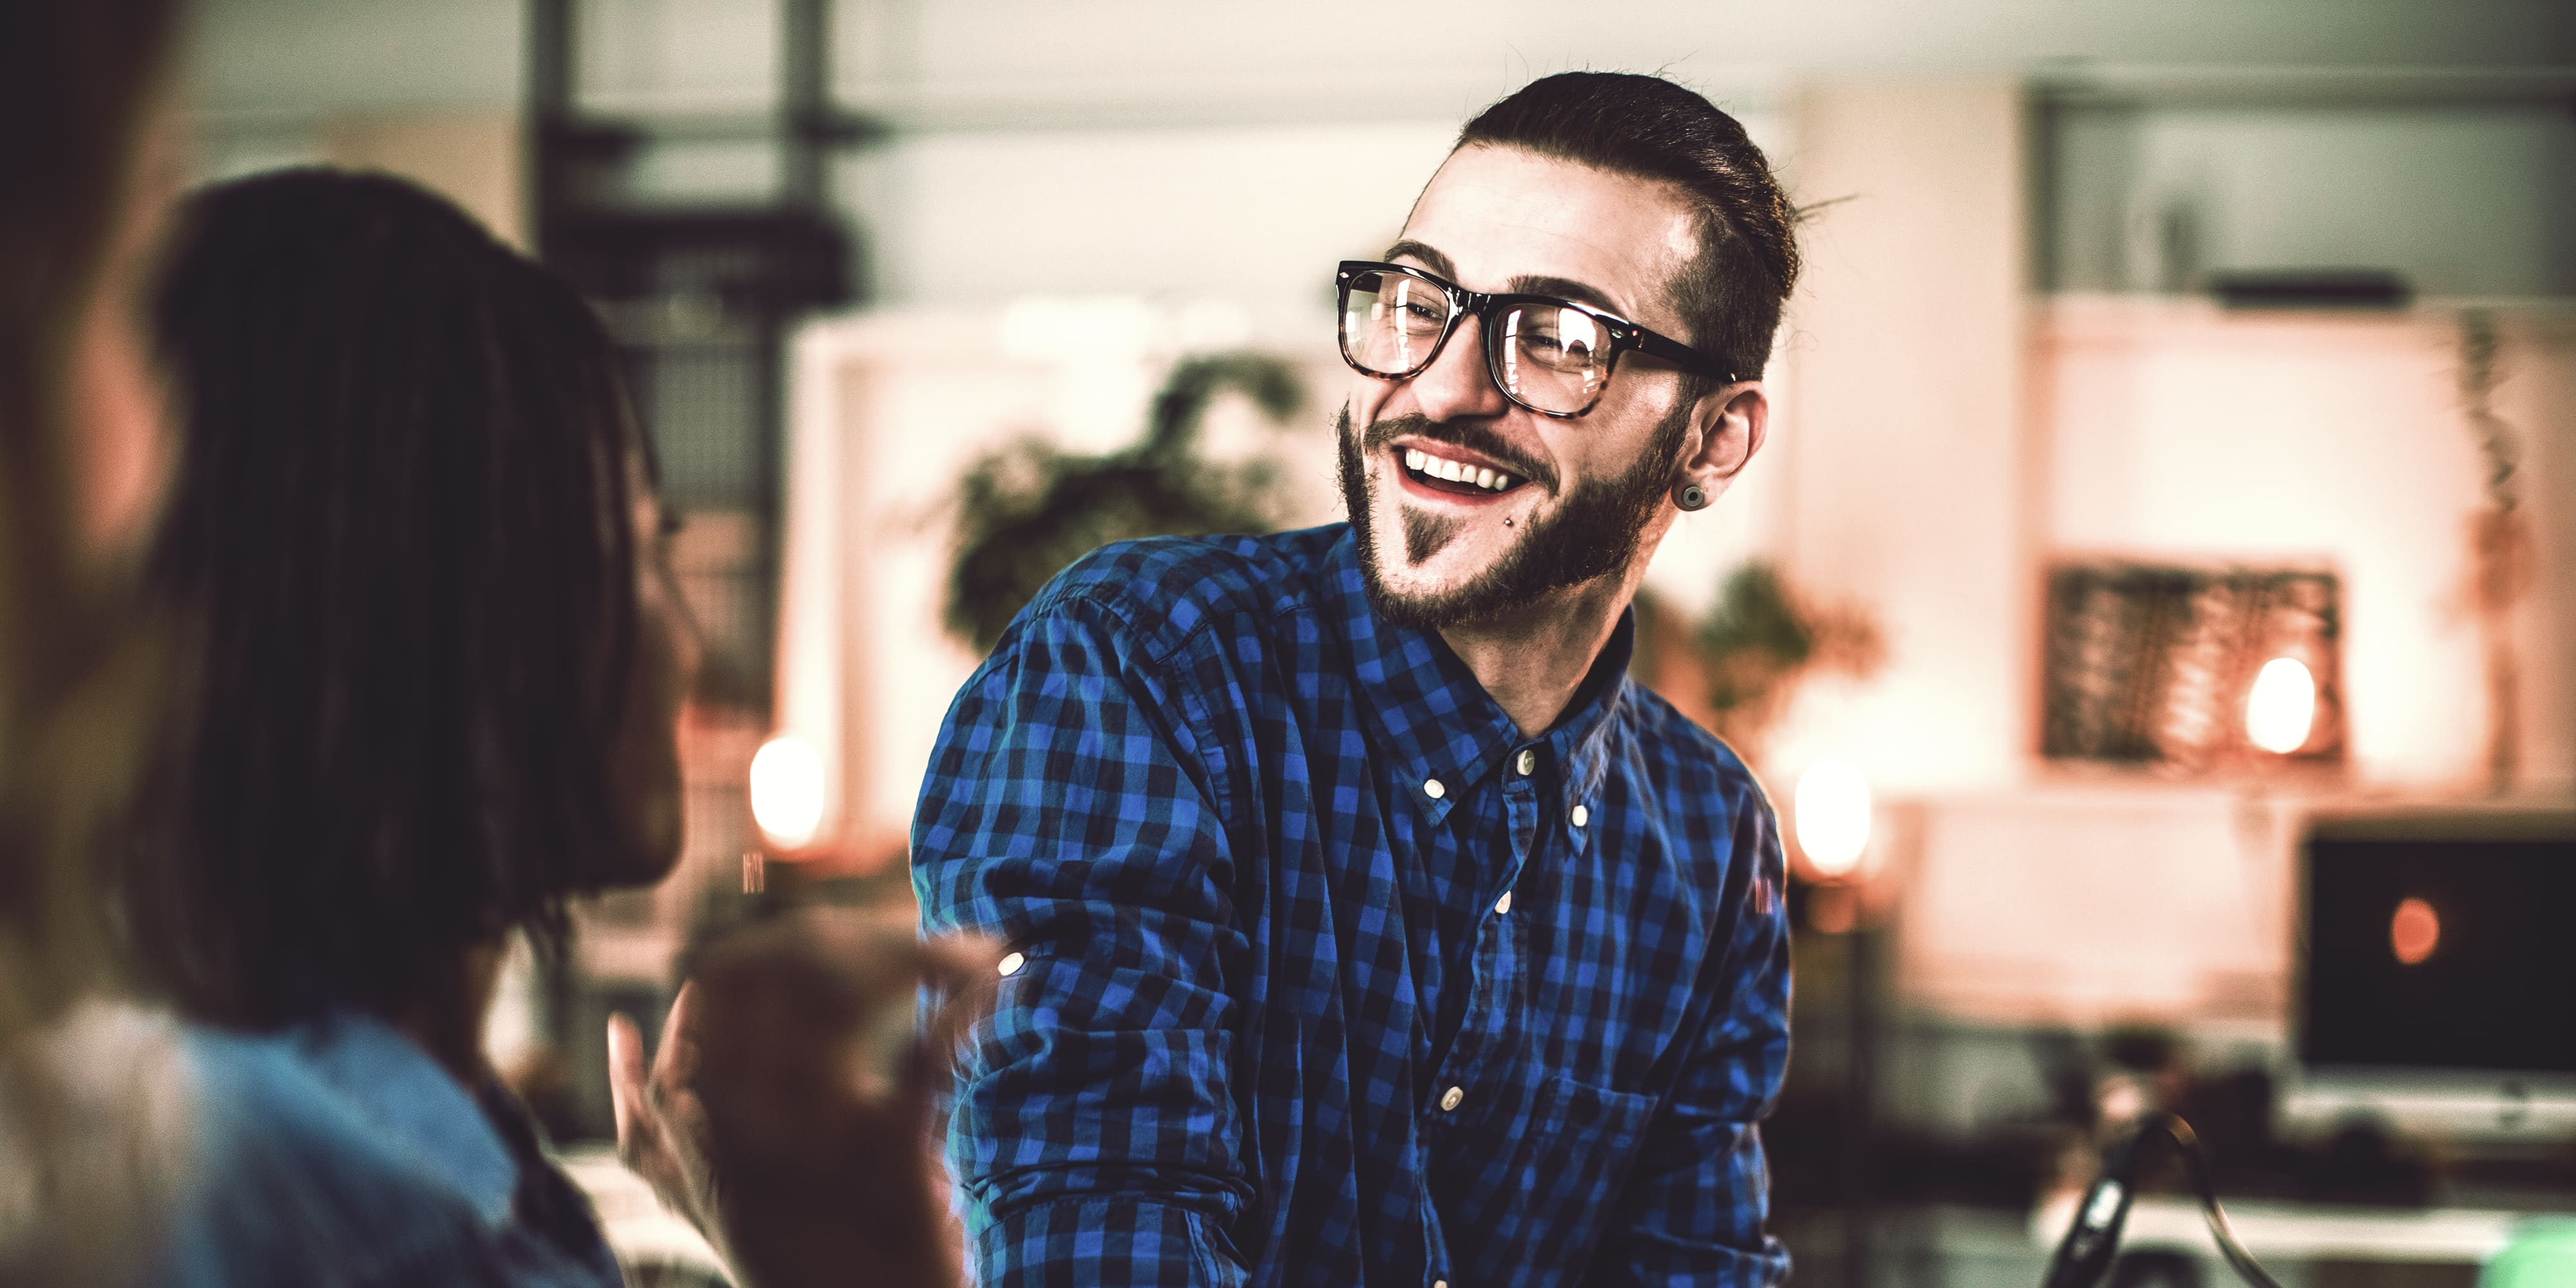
2435, 981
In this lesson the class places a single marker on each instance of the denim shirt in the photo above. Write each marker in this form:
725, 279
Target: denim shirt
338, 1152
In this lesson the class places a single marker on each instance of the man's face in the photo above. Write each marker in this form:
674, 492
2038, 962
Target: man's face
1580, 495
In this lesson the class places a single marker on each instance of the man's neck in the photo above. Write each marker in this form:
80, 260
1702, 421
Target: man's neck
1533, 662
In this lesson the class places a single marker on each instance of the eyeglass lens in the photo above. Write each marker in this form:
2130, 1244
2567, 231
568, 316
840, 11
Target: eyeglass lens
1550, 357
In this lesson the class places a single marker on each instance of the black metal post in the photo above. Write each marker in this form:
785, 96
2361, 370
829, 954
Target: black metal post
1860, 1128
549, 115
804, 101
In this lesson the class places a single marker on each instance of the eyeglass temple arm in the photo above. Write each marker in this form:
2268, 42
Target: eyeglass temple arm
1682, 356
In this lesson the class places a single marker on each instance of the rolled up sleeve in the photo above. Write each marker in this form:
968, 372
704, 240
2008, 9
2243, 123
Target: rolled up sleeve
1069, 811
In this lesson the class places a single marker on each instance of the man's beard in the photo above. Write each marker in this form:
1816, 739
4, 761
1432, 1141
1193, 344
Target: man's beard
1595, 530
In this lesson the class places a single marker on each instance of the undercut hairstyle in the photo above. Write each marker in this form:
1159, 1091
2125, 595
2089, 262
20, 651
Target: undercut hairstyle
400, 544
1649, 128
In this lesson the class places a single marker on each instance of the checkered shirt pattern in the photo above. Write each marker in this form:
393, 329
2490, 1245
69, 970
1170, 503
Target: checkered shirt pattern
1277, 1022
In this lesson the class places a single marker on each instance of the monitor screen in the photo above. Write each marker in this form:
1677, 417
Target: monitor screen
2440, 943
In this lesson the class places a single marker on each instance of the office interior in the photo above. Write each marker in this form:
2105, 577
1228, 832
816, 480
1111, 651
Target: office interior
2153, 615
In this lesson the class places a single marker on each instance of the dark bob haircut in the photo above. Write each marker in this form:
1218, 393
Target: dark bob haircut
401, 541
1650, 128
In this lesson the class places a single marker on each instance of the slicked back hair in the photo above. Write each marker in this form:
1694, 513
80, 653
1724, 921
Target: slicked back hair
401, 539
1650, 128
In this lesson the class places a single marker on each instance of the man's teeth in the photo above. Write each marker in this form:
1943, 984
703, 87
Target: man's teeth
1441, 467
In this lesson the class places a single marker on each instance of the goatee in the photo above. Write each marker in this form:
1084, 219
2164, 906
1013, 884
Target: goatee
1595, 529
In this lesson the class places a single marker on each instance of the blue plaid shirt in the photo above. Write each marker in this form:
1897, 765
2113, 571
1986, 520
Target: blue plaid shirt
1329, 975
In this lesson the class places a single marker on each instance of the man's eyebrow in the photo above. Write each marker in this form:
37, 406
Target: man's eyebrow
1566, 288
1563, 288
1429, 255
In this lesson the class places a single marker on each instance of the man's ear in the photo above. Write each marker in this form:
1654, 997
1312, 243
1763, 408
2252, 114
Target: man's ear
1733, 421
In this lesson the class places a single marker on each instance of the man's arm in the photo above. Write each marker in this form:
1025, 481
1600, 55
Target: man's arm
1069, 812
1693, 1210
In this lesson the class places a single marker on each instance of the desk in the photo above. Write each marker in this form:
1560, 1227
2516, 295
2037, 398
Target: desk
2305, 1231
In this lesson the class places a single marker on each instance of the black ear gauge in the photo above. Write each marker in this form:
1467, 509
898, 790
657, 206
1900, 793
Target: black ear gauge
1691, 496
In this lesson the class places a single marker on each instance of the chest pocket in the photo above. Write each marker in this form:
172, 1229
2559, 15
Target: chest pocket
1539, 1197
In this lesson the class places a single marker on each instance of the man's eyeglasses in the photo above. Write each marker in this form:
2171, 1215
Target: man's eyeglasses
1549, 355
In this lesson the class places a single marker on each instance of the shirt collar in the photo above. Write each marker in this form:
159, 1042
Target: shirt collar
386, 1078
1434, 718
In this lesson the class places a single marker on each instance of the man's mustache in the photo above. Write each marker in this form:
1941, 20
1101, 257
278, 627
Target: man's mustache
1473, 437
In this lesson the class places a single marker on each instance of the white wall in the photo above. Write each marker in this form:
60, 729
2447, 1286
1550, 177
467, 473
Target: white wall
1905, 452
2183, 432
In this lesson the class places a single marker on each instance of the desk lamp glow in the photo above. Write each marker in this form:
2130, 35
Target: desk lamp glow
1833, 818
787, 791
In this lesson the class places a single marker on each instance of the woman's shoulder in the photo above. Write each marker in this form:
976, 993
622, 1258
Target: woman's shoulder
338, 1152
95, 1125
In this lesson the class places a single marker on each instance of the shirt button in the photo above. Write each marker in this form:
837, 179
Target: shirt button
1431, 787
1439, 1283
1503, 904
1581, 816
1452, 1098
1011, 965
1528, 762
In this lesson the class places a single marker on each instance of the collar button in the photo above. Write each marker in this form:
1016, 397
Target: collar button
1527, 763
1431, 787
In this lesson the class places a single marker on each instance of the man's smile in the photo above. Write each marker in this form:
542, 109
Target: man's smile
1451, 473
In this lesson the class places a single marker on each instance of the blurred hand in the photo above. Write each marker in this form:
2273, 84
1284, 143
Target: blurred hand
787, 1115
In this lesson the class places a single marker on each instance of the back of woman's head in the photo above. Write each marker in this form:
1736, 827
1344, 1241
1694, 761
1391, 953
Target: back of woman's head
401, 536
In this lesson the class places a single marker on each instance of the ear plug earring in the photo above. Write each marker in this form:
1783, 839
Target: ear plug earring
1691, 497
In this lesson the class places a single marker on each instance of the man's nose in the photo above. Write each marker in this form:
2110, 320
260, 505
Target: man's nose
1456, 384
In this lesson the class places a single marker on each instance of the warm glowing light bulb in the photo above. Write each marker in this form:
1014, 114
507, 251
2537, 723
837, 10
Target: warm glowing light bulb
2282, 706
787, 791
2414, 932
1833, 817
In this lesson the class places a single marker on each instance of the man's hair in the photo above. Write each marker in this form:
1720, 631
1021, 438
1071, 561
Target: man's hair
401, 542
1651, 128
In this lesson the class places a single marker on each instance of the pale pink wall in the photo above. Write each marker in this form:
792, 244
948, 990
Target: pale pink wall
2180, 431
1903, 435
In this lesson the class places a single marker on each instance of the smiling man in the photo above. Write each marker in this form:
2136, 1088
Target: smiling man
1368, 925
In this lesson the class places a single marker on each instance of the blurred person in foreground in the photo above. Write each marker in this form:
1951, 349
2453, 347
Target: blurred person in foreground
92, 1102
434, 660
1368, 925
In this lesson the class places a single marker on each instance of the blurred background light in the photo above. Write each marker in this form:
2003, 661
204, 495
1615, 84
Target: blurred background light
1833, 818
787, 791
2414, 932
2281, 707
